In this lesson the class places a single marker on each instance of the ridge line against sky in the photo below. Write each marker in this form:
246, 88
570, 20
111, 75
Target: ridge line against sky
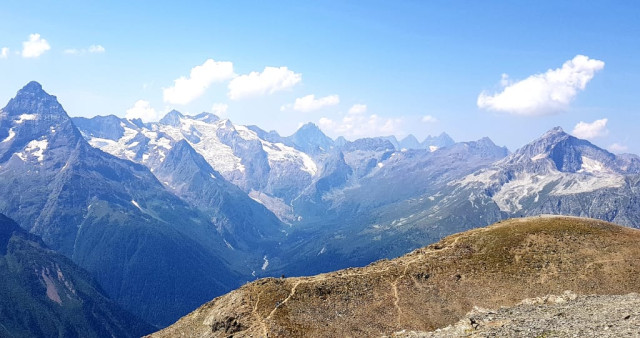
356, 69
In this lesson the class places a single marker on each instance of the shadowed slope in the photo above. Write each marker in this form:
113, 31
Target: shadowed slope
434, 286
44, 294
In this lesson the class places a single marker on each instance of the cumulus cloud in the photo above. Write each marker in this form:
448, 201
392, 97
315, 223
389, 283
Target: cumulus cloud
429, 119
220, 109
309, 103
618, 148
269, 81
4, 53
589, 131
142, 110
543, 94
356, 124
185, 90
35, 46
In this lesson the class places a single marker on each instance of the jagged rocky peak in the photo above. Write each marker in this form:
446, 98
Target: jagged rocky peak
309, 138
567, 152
442, 140
410, 142
172, 118
310, 131
369, 144
35, 102
393, 141
182, 154
341, 141
107, 127
34, 122
486, 147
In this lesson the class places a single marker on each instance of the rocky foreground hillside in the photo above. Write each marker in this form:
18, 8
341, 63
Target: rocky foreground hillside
432, 287
566, 315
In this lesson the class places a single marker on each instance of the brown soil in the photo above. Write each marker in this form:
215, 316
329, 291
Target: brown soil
432, 287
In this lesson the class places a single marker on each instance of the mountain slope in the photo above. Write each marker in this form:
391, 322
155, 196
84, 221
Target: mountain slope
44, 294
239, 219
434, 286
559, 174
111, 216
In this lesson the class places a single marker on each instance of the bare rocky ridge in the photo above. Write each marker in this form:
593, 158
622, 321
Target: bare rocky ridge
432, 287
566, 315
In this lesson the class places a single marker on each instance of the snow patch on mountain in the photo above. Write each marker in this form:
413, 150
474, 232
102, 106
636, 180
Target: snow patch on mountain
530, 183
246, 133
219, 155
36, 148
539, 157
587, 183
592, 166
524, 185
483, 177
136, 204
12, 134
278, 152
118, 148
26, 117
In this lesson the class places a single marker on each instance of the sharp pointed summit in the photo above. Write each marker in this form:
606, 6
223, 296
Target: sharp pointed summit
409, 142
33, 99
33, 123
172, 118
310, 139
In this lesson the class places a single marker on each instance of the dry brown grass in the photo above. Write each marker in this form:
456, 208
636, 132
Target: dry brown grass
431, 287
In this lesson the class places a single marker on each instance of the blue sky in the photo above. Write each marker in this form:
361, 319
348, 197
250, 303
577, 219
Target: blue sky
374, 67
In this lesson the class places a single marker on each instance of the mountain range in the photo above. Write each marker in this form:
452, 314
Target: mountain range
167, 215
112, 216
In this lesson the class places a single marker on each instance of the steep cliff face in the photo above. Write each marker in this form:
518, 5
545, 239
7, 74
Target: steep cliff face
432, 287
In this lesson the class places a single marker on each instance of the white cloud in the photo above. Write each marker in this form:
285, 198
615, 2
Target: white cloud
618, 148
185, 90
142, 110
357, 124
96, 49
358, 109
4, 53
35, 46
309, 103
429, 119
271, 80
93, 49
220, 109
597, 128
543, 94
